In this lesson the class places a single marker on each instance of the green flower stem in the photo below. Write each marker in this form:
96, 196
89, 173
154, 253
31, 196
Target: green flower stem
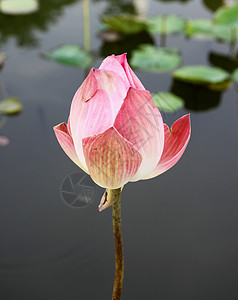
86, 23
119, 260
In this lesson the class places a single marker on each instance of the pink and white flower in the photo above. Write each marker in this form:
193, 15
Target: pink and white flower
115, 132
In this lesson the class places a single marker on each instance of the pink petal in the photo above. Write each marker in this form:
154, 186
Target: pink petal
140, 122
131, 76
114, 86
66, 142
175, 144
89, 118
112, 161
112, 64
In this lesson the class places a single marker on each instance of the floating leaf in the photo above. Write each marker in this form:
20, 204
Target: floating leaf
126, 24
167, 102
235, 76
213, 78
199, 27
205, 28
10, 106
150, 58
4, 141
71, 55
225, 33
18, 7
166, 24
227, 15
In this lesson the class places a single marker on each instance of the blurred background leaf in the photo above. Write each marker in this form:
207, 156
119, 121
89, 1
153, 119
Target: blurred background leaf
10, 106
167, 102
71, 55
212, 78
153, 59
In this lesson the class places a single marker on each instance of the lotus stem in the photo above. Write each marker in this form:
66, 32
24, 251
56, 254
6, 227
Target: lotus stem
163, 31
86, 25
119, 260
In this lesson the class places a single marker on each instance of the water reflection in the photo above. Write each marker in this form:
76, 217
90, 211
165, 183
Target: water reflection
174, 0
23, 28
196, 98
213, 5
225, 62
114, 7
126, 44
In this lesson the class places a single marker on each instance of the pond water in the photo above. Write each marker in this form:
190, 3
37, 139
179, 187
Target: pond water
180, 229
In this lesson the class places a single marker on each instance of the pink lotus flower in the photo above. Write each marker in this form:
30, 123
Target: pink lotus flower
115, 132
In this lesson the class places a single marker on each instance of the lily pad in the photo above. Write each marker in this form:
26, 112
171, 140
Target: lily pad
200, 28
167, 102
235, 76
126, 24
225, 33
10, 106
152, 59
166, 24
18, 7
227, 15
205, 28
213, 78
71, 55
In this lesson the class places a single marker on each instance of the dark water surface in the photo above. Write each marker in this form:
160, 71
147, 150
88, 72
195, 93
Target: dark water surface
180, 229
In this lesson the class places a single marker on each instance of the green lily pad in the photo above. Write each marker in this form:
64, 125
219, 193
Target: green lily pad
71, 55
205, 28
235, 76
166, 24
227, 15
213, 78
167, 102
152, 59
18, 7
200, 28
126, 24
10, 106
225, 33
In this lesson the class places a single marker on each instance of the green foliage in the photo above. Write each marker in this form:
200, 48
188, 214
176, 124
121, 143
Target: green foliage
235, 76
71, 55
166, 24
167, 102
10, 106
126, 24
227, 15
150, 58
199, 27
212, 78
18, 7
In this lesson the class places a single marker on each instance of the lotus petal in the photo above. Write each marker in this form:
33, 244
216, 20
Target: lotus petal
175, 144
66, 142
111, 160
140, 122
